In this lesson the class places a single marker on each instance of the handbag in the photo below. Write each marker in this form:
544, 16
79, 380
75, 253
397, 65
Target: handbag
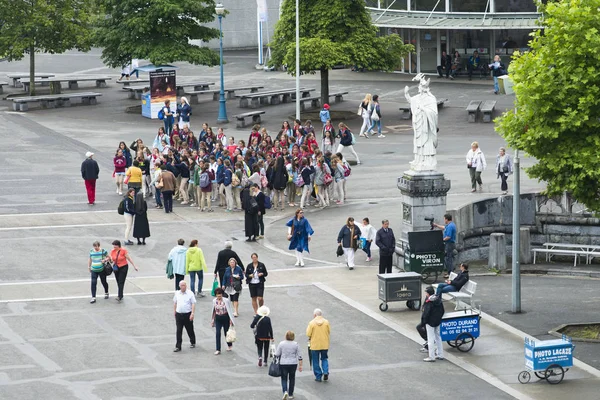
274, 369
255, 329
115, 267
374, 115
159, 184
340, 251
107, 268
231, 335
237, 285
291, 233
215, 285
360, 110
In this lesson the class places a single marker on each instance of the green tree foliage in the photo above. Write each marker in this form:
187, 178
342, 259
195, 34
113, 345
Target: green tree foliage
557, 88
159, 31
333, 32
49, 26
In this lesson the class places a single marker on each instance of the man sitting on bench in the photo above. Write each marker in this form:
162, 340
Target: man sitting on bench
455, 284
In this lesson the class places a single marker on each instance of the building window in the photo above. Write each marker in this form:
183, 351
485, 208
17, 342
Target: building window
515, 6
427, 5
468, 5
398, 5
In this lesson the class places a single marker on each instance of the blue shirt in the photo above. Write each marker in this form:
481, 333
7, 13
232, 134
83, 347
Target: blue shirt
450, 231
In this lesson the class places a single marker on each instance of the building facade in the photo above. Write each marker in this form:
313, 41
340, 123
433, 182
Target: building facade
489, 26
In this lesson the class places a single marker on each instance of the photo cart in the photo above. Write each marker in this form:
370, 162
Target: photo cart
424, 254
460, 328
548, 359
400, 286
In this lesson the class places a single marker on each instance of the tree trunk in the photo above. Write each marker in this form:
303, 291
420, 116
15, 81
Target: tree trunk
32, 69
324, 86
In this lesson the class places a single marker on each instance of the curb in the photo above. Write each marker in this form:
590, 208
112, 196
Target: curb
557, 272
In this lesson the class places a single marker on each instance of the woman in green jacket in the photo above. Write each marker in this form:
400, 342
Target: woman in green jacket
195, 265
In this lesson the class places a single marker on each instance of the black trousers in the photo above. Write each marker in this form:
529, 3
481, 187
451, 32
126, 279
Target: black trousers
288, 374
178, 278
168, 200
262, 347
120, 276
422, 331
385, 264
182, 320
440, 70
102, 276
504, 184
261, 225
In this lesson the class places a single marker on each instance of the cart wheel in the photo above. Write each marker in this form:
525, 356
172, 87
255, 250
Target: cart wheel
540, 375
464, 342
429, 275
415, 305
451, 343
383, 306
554, 374
409, 304
524, 377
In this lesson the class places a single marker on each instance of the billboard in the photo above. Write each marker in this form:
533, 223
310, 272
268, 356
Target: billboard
163, 86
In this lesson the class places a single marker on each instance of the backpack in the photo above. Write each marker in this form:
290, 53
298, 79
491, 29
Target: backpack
268, 204
347, 170
121, 208
245, 180
161, 114
235, 181
204, 180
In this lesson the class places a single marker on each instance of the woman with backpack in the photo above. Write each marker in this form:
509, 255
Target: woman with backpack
346, 140
205, 188
323, 179
348, 240
279, 179
338, 177
263, 334
306, 185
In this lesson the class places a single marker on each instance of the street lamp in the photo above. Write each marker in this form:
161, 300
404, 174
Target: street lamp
222, 118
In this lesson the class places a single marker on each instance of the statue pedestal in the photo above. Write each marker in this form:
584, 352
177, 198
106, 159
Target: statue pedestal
423, 196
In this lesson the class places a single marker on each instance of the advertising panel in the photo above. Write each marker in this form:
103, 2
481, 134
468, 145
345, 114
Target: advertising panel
163, 86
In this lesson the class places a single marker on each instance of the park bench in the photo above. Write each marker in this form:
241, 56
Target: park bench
72, 81
487, 109
406, 113
271, 97
135, 92
198, 85
473, 110
465, 293
16, 77
315, 101
2, 84
229, 92
566, 249
54, 100
241, 118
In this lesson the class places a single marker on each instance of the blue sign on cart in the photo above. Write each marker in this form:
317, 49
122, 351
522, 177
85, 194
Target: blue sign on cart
452, 327
539, 355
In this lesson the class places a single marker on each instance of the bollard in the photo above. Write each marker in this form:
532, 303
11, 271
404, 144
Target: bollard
497, 254
525, 255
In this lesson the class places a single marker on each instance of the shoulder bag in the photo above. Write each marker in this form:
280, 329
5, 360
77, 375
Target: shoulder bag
374, 115
255, 329
274, 369
115, 267
107, 267
292, 232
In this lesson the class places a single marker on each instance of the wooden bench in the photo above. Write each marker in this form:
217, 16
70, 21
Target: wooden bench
135, 92
16, 78
473, 110
465, 292
54, 100
315, 101
241, 118
487, 109
229, 93
72, 81
271, 97
406, 113
198, 86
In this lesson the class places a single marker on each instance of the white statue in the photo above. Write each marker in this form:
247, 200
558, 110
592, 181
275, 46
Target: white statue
425, 120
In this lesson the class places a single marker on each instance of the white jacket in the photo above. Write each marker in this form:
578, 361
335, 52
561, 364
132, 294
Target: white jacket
476, 159
368, 232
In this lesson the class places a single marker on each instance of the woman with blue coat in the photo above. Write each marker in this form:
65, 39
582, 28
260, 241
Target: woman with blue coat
232, 283
184, 110
299, 233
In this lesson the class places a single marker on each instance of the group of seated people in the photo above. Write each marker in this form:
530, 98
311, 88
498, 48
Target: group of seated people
451, 65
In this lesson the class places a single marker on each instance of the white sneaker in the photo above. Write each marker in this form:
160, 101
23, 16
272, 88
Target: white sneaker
297, 264
381, 136
429, 359
424, 350
285, 396
362, 135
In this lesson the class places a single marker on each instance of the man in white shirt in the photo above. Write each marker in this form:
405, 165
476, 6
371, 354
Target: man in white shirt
184, 306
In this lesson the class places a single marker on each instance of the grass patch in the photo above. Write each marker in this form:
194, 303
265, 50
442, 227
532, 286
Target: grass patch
590, 331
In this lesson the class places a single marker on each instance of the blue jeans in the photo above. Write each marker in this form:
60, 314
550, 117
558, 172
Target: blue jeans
102, 276
193, 280
496, 87
288, 372
373, 123
449, 256
157, 197
168, 125
367, 248
221, 322
445, 288
320, 357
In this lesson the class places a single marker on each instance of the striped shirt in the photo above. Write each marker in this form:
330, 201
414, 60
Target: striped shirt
97, 257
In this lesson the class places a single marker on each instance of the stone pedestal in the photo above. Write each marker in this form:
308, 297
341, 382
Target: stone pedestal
497, 255
423, 196
525, 256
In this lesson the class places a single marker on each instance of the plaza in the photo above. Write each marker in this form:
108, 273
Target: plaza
55, 345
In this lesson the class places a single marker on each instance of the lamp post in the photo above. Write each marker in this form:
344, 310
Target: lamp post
297, 60
222, 118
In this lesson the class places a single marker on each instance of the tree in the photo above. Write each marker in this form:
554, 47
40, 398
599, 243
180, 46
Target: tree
49, 26
333, 32
557, 89
159, 31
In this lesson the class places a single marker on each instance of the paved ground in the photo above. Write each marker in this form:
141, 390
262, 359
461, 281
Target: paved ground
68, 348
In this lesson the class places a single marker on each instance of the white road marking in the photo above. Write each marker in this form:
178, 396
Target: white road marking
15, 180
56, 213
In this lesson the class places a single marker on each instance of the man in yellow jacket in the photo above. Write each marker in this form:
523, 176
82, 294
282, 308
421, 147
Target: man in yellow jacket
318, 332
195, 266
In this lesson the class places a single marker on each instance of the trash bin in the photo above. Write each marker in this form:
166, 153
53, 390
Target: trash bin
425, 254
400, 286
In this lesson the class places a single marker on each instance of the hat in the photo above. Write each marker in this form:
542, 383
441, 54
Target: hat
88, 154
263, 311
326, 106
429, 290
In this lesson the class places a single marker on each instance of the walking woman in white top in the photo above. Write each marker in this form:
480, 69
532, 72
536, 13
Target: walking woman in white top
366, 106
476, 164
368, 233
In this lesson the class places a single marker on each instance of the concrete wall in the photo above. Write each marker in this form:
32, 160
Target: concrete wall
240, 25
